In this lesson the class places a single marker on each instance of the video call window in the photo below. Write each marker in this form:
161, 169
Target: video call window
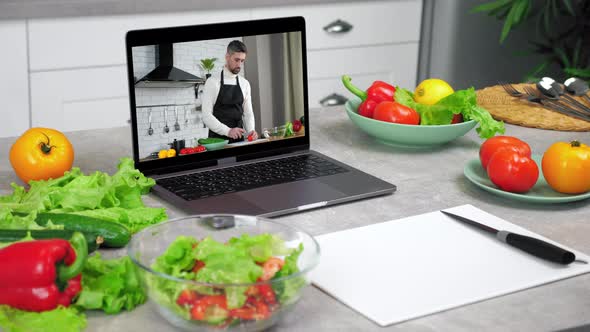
206, 95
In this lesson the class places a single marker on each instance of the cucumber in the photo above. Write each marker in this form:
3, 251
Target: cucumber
12, 235
114, 234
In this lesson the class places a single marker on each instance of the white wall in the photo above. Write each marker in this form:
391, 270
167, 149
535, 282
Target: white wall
186, 56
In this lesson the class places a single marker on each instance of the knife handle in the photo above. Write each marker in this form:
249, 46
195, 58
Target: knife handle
537, 247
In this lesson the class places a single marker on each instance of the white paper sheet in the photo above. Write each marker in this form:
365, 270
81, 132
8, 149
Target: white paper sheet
407, 268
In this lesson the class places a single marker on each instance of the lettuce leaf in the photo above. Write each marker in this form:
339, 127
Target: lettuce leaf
289, 288
260, 247
460, 102
91, 195
134, 219
110, 285
61, 319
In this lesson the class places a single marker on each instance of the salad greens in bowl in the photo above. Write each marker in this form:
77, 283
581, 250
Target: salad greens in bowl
232, 272
436, 121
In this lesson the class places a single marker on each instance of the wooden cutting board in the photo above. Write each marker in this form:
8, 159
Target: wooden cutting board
523, 113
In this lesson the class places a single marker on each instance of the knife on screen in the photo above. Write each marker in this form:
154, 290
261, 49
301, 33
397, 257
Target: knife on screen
525, 243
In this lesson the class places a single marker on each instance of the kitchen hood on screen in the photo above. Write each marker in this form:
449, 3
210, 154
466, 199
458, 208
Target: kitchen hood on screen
165, 75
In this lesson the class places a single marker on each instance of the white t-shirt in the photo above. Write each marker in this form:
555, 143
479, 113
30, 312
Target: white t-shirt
210, 92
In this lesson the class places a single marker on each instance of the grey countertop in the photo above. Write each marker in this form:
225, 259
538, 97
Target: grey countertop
427, 181
23, 9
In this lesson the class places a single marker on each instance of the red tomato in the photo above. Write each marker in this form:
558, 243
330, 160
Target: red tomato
367, 107
271, 267
186, 297
246, 313
513, 172
457, 118
198, 265
390, 111
496, 143
202, 305
296, 126
267, 294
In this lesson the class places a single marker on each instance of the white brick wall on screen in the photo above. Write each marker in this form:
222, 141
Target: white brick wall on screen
144, 60
187, 57
190, 131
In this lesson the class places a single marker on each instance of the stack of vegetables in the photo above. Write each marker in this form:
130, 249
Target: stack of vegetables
46, 233
434, 102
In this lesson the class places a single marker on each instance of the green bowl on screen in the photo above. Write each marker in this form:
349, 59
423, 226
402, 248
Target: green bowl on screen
406, 136
215, 146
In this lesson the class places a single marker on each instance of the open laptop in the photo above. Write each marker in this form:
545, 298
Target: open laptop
274, 174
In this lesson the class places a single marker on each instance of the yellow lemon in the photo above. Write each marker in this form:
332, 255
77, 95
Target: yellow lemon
163, 154
171, 153
431, 90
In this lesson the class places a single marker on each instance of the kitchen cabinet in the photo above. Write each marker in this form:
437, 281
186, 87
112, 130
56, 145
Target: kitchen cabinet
100, 41
80, 98
70, 73
14, 85
368, 40
79, 80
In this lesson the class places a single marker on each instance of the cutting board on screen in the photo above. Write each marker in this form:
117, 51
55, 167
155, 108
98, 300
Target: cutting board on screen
403, 269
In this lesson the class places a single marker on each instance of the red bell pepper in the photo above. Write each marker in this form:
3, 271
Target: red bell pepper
39, 275
378, 91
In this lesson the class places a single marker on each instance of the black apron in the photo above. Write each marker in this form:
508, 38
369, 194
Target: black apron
228, 108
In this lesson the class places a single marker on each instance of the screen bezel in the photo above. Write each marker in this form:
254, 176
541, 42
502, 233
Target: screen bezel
207, 32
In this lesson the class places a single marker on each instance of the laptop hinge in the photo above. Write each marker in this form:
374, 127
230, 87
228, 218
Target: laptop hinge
226, 161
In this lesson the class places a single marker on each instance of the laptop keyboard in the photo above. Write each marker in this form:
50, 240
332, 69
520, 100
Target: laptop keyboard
250, 176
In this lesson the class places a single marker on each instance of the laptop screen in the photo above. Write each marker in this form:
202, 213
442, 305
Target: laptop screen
214, 91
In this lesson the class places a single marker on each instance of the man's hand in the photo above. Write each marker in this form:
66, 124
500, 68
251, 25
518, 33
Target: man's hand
253, 134
235, 133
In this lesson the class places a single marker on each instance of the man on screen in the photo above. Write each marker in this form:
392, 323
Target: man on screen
227, 102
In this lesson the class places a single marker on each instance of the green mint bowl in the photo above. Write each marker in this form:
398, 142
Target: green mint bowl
215, 146
406, 136
164, 256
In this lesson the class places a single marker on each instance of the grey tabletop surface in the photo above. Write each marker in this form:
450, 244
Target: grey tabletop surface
427, 181
25, 9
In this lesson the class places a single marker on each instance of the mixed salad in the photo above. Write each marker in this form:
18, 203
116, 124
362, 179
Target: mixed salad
242, 279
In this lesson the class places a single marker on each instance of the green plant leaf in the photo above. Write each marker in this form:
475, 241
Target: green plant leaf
491, 6
568, 6
578, 72
576, 54
546, 19
516, 15
540, 68
521, 11
554, 9
562, 56
500, 13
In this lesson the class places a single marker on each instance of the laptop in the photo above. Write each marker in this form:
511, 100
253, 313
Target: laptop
173, 100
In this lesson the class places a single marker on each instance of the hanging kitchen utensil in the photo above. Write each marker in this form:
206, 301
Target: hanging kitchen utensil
166, 129
176, 124
185, 116
150, 130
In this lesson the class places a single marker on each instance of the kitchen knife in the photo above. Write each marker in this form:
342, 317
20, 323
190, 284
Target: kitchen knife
525, 243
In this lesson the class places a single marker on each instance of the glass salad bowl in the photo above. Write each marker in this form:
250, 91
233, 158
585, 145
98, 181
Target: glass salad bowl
223, 272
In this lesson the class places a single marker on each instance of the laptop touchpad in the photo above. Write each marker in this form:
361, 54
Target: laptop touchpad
291, 195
